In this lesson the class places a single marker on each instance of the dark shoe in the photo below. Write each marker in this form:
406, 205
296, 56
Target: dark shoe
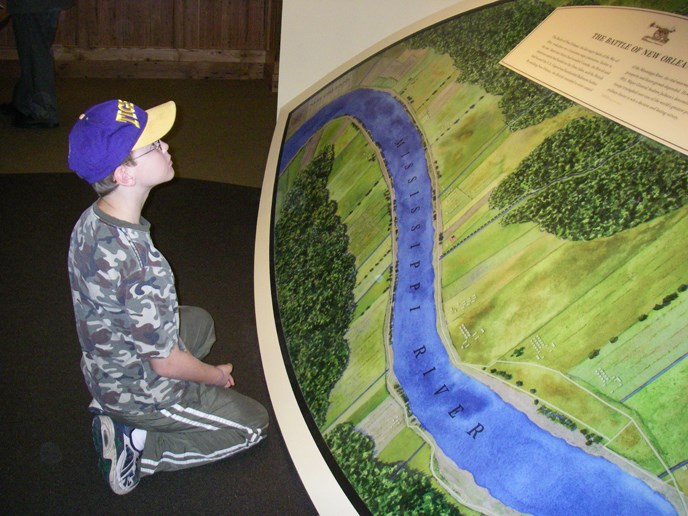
118, 460
95, 408
26, 122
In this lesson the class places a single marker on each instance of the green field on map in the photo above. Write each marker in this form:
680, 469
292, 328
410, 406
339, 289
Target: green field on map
587, 334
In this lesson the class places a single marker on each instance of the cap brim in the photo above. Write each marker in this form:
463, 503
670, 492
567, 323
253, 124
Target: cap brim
160, 121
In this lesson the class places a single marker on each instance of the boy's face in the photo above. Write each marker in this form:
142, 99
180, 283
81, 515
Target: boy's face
153, 164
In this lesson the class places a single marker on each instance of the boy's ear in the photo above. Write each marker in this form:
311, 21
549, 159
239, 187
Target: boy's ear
123, 176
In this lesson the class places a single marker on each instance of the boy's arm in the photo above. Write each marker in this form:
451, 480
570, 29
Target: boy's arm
182, 365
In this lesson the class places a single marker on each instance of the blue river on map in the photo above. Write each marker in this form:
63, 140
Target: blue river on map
523, 466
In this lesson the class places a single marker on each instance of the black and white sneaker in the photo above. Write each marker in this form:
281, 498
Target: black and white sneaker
118, 460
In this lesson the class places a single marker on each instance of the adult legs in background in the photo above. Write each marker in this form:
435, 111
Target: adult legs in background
34, 98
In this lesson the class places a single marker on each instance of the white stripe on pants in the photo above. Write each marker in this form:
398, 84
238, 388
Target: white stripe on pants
172, 460
209, 423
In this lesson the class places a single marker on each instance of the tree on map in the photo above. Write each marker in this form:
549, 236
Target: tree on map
384, 488
611, 180
315, 275
478, 41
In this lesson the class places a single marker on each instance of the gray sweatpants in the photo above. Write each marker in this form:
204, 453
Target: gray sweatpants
209, 423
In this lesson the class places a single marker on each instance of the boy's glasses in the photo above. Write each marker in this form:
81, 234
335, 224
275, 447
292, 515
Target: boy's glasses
156, 145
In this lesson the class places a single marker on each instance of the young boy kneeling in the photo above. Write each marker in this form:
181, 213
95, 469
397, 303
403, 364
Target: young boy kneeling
159, 407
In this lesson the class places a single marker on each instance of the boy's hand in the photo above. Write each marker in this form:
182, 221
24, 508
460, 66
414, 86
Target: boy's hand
182, 365
227, 380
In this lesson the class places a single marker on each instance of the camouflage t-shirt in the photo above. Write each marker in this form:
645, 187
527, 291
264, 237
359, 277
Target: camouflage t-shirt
126, 312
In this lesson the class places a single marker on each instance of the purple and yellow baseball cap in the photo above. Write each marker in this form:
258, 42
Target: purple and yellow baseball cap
106, 133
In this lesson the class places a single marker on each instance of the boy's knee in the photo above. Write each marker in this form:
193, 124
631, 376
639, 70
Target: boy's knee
265, 420
195, 316
261, 428
196, 330
259, 416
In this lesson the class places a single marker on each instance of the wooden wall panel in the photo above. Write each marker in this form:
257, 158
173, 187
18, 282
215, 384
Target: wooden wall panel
218, 38
222, 24
123, 23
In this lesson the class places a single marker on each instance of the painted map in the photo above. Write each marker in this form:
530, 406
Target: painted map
483, 287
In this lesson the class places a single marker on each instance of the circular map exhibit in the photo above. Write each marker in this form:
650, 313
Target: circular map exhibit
479, 284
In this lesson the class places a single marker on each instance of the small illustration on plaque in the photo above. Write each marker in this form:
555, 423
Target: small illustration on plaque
660, 35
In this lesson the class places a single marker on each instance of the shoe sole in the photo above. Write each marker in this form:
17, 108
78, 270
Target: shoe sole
109, 453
